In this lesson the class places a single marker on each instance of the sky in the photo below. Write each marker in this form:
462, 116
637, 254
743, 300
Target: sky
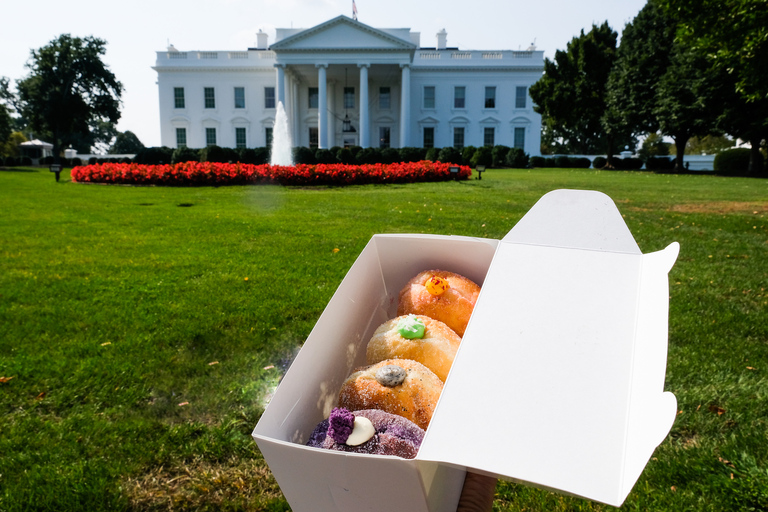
136, 30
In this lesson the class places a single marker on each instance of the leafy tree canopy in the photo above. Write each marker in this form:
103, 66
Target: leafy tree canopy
732, 33
70, 92
571, 94
126, 143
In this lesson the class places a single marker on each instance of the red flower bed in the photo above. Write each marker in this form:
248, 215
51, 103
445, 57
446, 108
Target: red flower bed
213, 173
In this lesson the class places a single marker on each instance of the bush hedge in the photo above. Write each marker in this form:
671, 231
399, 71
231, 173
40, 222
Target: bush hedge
516, 158
660, 163
599, 162
732, 161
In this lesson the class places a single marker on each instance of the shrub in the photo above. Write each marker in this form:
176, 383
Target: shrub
24, 161
367, 156
562, 161
599, 162
499, 156
483, 156
412, 154
432, 154
92, 160
517, 159
261, 155
355, 150
48, 160
732, 161
389, 156
345, 156
154, 155
185, 154
325, 156
449, 155
302, 155
660, 163
580, 162
75, 162
218, 154
627, 164
538, 161
247, 156
466, 155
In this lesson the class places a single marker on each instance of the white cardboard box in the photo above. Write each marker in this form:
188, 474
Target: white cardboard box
558, 382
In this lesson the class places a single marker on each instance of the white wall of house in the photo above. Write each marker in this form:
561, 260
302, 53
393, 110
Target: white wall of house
336, 55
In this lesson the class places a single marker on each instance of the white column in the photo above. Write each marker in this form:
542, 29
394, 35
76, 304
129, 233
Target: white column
322, 107
331, 117
364, 142
295, 113
280, 86
405, 106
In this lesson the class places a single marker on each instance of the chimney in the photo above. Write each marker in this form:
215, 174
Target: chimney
442, 37
261, 40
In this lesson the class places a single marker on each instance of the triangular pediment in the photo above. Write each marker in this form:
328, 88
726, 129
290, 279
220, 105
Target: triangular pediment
342, 33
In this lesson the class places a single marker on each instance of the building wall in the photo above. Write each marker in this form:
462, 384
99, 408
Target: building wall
443, 69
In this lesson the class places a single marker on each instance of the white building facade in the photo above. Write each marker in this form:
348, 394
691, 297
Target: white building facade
344, 83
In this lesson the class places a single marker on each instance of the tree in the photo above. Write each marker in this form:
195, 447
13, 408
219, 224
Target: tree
126, 143
571, 94
6, 121
69, 91
642, 59
732, 33
688, 99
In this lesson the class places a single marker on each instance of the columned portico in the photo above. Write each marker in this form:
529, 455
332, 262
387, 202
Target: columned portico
405, 105
364, 122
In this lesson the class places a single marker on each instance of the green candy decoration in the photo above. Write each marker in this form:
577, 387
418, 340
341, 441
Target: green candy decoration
411, 327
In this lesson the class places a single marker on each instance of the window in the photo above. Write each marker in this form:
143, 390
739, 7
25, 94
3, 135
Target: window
520, 138
181, 137
459, 97
210, 136
239, 137
349, 97
489, 135
429, 137
458, 137
239, 97
490, 97
520, 94
313, 138
210, 97
314, 97
268, 137
429, 96
384, 98
178, 97
384, 136
269, 97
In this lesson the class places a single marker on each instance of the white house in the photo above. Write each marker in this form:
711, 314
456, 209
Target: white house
344, 83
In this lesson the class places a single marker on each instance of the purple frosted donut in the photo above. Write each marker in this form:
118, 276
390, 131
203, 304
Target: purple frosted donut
394, 435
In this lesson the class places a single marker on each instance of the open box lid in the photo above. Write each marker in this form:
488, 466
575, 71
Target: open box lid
559, 379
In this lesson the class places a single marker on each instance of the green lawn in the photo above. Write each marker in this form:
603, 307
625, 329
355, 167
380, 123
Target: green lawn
142, 328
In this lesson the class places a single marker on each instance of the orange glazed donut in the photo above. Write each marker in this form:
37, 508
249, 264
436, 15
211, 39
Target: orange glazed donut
441, 295
417, 337
397, 386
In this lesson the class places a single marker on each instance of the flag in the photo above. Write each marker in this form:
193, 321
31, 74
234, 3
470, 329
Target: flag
354, 11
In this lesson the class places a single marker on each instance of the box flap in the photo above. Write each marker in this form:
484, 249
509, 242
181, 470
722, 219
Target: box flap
579, 219
542, 385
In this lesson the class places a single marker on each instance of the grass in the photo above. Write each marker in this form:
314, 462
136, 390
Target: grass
143, 329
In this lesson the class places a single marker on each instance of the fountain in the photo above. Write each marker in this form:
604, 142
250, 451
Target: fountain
282, 146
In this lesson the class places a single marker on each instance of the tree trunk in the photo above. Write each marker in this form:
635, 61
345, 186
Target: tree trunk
610, 151
680, 142
756, 167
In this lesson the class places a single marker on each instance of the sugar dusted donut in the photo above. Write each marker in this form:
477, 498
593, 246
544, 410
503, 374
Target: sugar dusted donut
368, 431
417, 337
441, 295
397, 386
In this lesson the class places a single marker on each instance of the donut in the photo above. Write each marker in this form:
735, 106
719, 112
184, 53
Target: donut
397, 386
382, 434
416, 337
441, 295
